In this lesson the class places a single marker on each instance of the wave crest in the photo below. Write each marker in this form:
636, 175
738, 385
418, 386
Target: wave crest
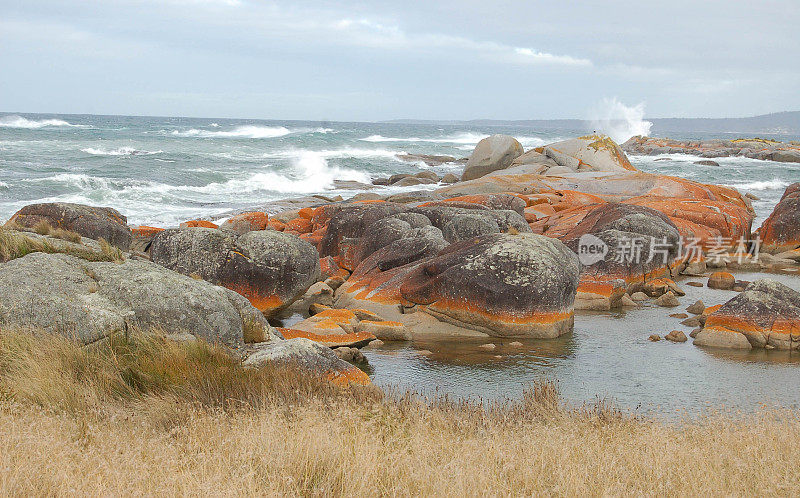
16, 121
121, 151
247, 131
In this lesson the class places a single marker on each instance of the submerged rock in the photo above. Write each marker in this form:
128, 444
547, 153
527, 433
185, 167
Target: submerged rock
89, 221
90, 301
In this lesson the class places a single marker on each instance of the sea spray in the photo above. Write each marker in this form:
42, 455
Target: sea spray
619, 121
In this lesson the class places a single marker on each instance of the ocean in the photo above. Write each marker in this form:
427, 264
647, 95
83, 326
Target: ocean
160, 171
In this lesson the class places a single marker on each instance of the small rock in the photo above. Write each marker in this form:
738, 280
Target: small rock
627, 302
639, 296
668, 300
380, 181
676, 336
374, 344
396, 178
694, 284
515, 344
707, 162
695, 268
424, 352
487, 347
697, 308
334, 282
428, 175
679, 315
654, 338
691, 322
721, 280
386, 331
752, 196
694, 332
449, 178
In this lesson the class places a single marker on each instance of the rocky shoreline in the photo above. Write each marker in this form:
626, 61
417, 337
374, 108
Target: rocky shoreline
511, 249
754, 148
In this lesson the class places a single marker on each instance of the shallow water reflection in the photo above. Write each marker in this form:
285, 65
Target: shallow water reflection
608, 356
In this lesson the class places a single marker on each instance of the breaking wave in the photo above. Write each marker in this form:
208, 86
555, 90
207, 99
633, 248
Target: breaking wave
121, 151
773, 184
247, 131
15, 121
619, 121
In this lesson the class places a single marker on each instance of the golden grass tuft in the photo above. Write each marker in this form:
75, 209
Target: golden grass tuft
15, 244
145, 416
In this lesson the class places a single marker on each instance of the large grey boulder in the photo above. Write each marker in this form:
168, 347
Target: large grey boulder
270, 268
589, 153
491, 154
89, 221
88, 301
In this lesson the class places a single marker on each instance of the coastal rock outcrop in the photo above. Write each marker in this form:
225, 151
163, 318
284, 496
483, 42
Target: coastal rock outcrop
89, 221
271, 269
89, 301
781, 231
765, 315
491, 154
494, 284
754, 148
640, 243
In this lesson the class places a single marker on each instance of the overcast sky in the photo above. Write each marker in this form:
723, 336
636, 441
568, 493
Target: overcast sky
351, 60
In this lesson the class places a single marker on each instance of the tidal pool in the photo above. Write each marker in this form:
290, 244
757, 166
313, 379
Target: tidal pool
607, 356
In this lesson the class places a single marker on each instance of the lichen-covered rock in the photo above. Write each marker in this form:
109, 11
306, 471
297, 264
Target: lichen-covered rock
90, 300
781, 231
491, 154
589, 153
721, 280
246, 222
504, 285
641, 244
766, 314
271, 269
308, 355
385, 330
89, 221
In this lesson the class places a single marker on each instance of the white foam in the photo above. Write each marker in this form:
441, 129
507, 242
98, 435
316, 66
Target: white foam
121, 151
4, 185
619, 121
773, 184
458, 138
15, 121
247, 131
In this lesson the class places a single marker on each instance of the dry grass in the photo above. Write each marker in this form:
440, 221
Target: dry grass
44, 228
148, 417
15, 244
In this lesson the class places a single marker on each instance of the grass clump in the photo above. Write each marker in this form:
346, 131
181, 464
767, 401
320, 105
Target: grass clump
16, 244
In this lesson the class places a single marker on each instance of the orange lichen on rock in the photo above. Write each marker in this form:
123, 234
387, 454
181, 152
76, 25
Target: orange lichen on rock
276, 225
145, 231
781, 231
263, 303
352, 339
300, 225
352, 375
198, 224
251, 221
331, 269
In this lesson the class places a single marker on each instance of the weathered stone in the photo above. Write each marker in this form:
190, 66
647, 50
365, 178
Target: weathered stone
767, 313
697, 308
491, 154
271, 269
89, 221
654, 338
676, 336
781, 231
668, 300
721, 280
89, 301
310, 356
385, 330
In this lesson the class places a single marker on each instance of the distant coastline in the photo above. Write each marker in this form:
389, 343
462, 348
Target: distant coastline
777, 123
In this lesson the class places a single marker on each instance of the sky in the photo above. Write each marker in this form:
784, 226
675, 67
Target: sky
380, 60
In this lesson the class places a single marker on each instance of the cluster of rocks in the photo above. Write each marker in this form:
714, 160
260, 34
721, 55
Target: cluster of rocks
426, 177
500, 253
754, 148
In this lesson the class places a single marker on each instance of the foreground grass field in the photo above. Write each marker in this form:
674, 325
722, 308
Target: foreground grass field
150, 417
